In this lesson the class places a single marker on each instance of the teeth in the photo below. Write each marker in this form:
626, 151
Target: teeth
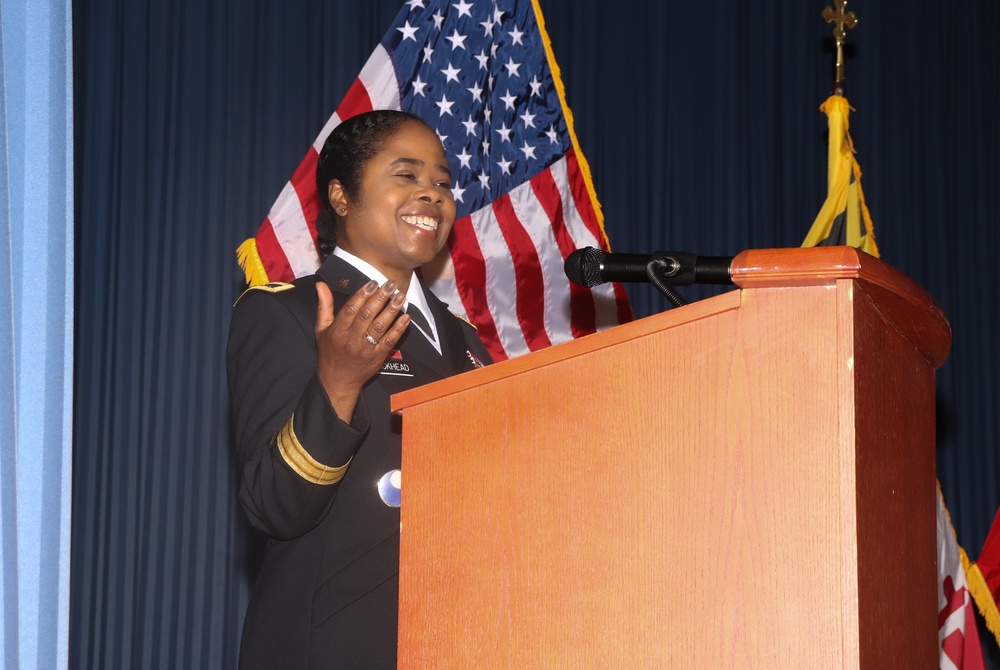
424, 222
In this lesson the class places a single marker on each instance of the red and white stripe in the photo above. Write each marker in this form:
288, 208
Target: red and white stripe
509, 257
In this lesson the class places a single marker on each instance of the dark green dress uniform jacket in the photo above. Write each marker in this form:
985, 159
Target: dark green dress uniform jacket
327, 592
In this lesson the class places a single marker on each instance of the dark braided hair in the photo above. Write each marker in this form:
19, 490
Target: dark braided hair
345, 153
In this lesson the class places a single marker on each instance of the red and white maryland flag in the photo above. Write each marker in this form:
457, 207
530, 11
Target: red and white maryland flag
958, 638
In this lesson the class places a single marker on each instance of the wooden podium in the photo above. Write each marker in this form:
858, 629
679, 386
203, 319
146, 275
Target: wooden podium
744, 482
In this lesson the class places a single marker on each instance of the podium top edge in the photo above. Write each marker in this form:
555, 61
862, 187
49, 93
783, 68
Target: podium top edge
762, 268
906, 303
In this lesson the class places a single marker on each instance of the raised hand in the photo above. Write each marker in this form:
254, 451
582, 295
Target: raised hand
352, 347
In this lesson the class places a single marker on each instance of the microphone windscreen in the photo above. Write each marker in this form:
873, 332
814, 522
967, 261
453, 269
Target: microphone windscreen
583, 266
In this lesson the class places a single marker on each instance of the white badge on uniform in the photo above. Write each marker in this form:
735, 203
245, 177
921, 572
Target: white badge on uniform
388, 488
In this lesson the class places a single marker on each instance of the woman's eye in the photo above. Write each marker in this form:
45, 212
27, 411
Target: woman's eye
406, 175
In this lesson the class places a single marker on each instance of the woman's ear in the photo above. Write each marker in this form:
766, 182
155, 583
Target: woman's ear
338, 198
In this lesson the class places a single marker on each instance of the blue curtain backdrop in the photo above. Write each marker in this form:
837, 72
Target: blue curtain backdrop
36, 331
701, 124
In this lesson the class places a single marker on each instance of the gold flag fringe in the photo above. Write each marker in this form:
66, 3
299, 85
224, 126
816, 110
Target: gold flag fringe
249, 260
982, 595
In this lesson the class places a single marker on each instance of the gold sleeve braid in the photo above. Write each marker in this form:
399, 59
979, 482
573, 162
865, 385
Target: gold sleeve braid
301, 462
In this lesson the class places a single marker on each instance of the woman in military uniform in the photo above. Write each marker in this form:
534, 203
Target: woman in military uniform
311, 367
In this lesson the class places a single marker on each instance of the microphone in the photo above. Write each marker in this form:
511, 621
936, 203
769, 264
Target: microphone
589, 267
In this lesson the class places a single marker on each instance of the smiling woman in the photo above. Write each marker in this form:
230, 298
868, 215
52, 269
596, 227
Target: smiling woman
311, 366
399, 216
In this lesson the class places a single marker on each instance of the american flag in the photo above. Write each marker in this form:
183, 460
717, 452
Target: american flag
482, 74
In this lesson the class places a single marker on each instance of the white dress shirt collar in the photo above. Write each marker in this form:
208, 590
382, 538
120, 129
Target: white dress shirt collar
414, 294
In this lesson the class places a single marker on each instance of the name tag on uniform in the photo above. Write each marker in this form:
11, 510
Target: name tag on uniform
395, 366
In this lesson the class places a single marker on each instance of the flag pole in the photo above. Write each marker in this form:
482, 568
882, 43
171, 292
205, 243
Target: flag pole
842, 22
844, 213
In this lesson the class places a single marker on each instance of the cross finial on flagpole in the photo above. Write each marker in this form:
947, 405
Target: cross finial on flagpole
842, 21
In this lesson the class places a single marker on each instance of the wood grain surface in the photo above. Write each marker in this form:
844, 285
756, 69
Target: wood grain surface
746, 482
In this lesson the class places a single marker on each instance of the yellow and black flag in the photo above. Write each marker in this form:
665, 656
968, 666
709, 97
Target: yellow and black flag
839, 222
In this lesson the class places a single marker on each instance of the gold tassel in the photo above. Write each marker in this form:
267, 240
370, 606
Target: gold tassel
249, 260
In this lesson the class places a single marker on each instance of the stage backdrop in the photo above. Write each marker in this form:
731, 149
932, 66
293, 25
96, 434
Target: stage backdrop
701, 124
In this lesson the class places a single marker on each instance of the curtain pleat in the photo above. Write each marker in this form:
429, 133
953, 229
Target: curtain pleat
701, 124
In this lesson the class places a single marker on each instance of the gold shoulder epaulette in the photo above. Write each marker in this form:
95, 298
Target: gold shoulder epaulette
270, 287
466, 319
